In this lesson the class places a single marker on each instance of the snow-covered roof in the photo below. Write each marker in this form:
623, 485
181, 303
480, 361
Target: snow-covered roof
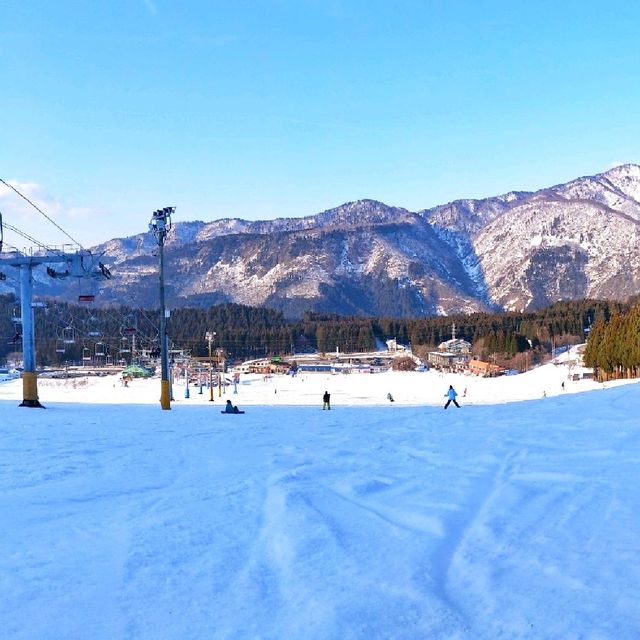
455, 345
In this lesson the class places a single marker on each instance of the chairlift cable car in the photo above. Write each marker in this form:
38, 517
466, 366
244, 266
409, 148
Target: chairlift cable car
129, 325
93, 326
84, 296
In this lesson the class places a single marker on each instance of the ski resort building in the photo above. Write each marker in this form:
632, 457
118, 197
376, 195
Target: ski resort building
452, 355
455, 345
485, 369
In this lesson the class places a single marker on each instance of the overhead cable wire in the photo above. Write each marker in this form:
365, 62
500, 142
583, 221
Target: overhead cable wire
37, 208
27, 236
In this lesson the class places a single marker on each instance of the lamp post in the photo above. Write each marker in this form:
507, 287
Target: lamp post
209, 338
160, 225
223, 371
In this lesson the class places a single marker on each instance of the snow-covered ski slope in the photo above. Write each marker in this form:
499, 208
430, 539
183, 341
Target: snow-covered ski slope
509, 520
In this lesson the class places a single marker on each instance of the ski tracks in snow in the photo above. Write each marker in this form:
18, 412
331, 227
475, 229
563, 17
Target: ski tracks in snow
464, 528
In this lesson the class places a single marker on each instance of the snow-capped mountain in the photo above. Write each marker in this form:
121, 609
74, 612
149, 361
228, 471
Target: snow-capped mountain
551, 248
618, 189
362, 258
515, 251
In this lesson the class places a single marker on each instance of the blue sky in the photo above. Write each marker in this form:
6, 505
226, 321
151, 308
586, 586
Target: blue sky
286, 108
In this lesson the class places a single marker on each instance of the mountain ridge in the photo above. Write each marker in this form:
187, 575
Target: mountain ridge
514, 251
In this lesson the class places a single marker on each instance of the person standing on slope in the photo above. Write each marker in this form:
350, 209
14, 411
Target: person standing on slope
451, 397
326, 401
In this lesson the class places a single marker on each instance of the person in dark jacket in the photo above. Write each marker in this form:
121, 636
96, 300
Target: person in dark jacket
326, 400
229, 407
451, 397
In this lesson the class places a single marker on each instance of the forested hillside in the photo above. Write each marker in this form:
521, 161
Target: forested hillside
613, 349
65, 332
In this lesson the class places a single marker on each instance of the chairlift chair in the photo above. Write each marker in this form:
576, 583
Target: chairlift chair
68, 335
93, 326
85, 296
99, 349
86, 354
60, 348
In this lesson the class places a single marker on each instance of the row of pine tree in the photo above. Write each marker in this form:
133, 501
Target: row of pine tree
65, 332
613, 348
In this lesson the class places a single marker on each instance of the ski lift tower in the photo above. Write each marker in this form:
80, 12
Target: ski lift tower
160, 225
80, 265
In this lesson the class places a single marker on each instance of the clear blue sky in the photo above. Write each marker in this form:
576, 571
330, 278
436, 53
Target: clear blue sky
286, 108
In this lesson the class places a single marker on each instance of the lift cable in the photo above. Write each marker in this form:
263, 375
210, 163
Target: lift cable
55, 224
29, 238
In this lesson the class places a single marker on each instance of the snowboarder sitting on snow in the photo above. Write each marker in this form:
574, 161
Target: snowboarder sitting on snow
451, 395
325, 401
229, 408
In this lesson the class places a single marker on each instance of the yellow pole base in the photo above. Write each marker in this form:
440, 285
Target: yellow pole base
165, 401
30, 389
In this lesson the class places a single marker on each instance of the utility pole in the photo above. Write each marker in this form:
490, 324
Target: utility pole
209, 338
160, 225
79, 265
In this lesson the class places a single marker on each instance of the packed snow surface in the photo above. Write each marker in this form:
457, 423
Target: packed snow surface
500, 519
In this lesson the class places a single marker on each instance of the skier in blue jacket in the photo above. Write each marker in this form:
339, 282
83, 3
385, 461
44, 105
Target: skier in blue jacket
451, 397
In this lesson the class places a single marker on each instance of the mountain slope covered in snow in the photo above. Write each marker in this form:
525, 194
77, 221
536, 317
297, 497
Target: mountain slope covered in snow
517, 251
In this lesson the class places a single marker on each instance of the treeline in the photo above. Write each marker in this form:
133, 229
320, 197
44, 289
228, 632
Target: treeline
504, 333
613, 348
65, 332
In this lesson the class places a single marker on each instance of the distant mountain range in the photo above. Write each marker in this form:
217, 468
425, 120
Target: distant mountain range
517, 251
